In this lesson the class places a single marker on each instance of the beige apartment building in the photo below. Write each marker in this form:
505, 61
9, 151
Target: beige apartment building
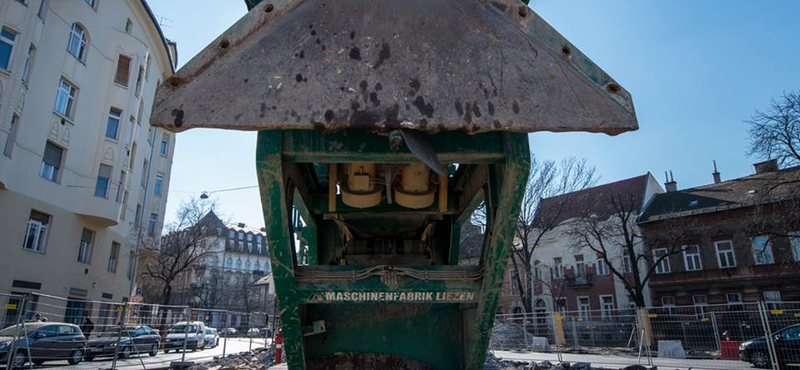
83, 177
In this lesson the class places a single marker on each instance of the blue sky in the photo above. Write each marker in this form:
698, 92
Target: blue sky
696, 70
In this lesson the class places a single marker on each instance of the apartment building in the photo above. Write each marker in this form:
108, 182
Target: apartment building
737, 241
83, 176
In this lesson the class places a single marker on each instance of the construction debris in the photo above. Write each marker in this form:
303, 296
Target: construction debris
495, 363
257, 359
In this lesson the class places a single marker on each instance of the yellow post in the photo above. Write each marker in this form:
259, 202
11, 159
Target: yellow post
558, 329
644, 324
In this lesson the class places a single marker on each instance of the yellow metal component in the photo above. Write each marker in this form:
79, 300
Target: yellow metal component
360, 191
443, 191
558, 329
332, 178
415, 190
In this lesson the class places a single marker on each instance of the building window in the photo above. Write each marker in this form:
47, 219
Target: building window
762, 250
580, 266
113, 258
229, 262
602, 267
91, 3
258, 266
238, 263
627, 266
7, 40
124, 209
249, 237
43, 9
700, 304
137, 217
247, 265
734, 298
725, 255
794, 240
77, 42
231, 234
668, 303
607, 306
120, 187
128, 26
85, 248
561, 305
537, 273
241, 235
584, 308
773, 299
241, 246
103, 180
51, 162
157, 187
26, 72
65, 99
215, 261
144, 173
661, 260
129, 140
123, 70
139, 77
691, 258
164, 145
131, 262
151, 226
112, 127
558, 268
36, 232
12, 135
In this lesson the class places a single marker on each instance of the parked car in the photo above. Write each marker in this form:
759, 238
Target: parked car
48, 341
265, 332
787, 348
253, 332
133, 340
193, 333
212, 338
229, 331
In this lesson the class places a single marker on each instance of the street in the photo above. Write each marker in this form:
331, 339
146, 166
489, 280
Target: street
617, 361
235, 345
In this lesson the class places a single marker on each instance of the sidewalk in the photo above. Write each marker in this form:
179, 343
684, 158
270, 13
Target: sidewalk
282, 366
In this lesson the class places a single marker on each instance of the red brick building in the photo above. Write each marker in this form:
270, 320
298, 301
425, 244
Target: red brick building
740, 239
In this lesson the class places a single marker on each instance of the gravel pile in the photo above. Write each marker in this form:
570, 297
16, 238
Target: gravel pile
257, 359
494, 363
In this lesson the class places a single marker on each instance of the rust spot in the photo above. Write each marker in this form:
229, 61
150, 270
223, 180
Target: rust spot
268, 8
523, 11
383, 55
355, 53
178, 114
224, 44
422, 107
174, 81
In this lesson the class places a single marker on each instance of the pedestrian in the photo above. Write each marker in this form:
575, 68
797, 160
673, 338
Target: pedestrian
38, 317
87, 327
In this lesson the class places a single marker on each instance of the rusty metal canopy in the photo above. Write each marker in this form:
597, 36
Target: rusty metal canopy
429, 65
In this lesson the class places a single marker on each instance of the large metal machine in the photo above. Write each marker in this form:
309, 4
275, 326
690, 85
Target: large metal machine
382, 125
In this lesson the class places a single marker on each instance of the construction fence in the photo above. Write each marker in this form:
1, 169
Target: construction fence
731, 336
41, 329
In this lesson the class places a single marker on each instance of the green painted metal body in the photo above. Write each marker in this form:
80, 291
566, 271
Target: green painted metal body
436, 320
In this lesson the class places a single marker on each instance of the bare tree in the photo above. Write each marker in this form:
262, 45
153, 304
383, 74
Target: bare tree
546, 179
183, 247
775, 133
616, 240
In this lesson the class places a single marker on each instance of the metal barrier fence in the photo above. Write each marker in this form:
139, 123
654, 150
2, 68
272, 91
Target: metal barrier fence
43, 330
731, 336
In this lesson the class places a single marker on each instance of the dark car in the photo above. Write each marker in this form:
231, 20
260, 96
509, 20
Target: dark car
133, 340
265, 332
787, 348
46, 341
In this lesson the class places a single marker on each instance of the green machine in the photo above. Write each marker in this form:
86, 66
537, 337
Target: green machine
382, 125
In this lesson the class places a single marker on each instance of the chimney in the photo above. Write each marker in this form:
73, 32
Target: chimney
670, 185
241, 224
766, 166
717, 178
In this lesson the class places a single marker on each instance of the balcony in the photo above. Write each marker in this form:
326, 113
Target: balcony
579, 281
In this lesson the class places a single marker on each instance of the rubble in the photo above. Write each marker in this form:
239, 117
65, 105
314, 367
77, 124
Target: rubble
257, 359
494, 363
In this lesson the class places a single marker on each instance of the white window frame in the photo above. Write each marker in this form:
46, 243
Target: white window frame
78, 42
734, 302
627, 265
730, 252
766, 251
66, 96
85, 248
558, 268
38, 231
602, 267
669, 307
11, 43
702, 307
584, 311
115, 115
152, 224
697, 263
158, 185
662, 267
107, 181
26, 71
794, 242
580, 266
607, 313
48, 171
113, 258
772, 303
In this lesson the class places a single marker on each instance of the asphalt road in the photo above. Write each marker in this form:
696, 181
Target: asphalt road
234, 345
619, 361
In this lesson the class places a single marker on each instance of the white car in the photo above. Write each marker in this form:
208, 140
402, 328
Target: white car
212, 338
253, 332
192, 332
